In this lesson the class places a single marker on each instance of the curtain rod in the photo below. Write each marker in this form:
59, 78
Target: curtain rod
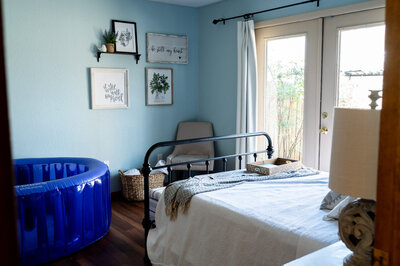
250, 15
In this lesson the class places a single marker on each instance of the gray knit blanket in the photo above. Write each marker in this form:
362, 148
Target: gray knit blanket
177, 195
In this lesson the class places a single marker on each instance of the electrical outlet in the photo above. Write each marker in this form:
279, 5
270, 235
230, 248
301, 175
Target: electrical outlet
107, 163
159, 156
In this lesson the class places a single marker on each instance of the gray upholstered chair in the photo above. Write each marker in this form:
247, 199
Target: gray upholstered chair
195, 151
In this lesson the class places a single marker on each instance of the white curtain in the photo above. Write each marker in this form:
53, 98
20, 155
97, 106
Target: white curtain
246, 112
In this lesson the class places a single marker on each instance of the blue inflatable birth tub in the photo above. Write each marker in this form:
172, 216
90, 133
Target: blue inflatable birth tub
63, 205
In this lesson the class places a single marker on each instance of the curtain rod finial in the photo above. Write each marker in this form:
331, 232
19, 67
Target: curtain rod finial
215, 21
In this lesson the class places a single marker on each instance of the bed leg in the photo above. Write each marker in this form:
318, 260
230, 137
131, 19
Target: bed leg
146, 221
146, 225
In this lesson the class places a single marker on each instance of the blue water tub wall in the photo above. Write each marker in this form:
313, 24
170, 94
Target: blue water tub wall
63, 204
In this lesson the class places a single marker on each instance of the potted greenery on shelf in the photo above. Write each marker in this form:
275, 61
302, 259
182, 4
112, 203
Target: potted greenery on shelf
110, 38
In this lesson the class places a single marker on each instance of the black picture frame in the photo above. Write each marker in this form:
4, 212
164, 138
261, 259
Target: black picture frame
127, 36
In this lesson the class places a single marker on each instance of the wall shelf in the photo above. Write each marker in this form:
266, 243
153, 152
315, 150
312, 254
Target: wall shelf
136, 55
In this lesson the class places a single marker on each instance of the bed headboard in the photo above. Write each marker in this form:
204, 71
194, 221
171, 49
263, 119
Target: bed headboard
147, 223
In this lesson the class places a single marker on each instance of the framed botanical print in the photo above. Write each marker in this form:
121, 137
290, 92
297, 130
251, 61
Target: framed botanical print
109, 88
127, 36
159, 86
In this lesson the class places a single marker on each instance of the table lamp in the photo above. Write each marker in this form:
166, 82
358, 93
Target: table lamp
353, 172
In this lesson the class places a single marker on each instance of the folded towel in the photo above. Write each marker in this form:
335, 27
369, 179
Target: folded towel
161, 170
133, 171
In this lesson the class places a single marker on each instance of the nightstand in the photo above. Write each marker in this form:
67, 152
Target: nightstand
328, 256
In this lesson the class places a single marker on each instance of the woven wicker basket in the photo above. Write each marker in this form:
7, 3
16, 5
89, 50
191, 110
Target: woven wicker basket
133, 185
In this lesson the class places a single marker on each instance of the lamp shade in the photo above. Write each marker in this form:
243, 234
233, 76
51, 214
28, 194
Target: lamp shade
354, 157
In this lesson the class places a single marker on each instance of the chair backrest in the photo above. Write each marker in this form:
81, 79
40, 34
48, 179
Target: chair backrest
191, 130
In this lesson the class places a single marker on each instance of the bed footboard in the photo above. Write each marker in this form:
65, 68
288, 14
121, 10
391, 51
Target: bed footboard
147, 223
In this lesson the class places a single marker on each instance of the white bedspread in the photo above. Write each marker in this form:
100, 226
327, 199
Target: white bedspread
258, 223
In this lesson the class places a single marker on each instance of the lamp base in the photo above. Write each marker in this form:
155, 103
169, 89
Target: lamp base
356, 229
355, 260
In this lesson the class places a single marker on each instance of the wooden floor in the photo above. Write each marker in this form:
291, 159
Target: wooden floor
124, 243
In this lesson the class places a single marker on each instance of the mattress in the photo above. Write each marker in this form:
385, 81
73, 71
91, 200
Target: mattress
155, 195
255, 223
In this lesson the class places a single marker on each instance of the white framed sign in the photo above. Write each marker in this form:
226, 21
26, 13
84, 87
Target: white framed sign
166, 48
109, 88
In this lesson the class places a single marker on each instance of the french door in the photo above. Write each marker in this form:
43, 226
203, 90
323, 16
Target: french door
298, 86
352, 65
289, 74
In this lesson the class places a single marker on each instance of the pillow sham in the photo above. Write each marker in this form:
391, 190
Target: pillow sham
334, 214
331, 200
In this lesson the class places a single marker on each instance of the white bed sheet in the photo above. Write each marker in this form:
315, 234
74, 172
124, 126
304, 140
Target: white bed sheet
255, 223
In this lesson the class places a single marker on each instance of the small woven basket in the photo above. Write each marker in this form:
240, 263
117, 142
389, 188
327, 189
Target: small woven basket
133, 185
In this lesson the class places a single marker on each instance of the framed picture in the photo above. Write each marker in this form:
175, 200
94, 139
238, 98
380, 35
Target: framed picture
109, 87
127, 36
165, 48
159, 86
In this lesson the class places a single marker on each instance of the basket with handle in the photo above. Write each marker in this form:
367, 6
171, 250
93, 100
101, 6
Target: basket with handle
133, 185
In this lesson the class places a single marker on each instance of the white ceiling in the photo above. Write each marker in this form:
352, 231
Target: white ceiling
191, 3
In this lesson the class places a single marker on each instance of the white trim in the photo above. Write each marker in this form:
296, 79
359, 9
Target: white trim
374, 4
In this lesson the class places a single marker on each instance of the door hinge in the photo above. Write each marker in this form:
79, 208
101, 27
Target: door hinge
381, 257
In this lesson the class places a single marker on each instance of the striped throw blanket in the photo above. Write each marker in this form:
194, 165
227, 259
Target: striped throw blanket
177, 195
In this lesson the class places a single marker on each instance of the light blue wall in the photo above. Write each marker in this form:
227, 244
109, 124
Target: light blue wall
49, 50
218, 57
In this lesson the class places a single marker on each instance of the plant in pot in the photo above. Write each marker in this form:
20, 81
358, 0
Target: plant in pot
110, 38
159, 84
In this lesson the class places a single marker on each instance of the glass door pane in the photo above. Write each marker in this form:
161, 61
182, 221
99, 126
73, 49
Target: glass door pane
288, 95
353, 58
361, 60
284, 94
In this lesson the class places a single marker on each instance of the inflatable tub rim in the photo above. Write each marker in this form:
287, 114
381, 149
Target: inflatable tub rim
95, 170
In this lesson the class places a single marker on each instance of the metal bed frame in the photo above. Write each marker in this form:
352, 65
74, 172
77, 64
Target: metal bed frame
147, 223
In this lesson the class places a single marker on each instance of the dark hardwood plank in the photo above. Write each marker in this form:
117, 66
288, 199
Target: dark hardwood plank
124, 243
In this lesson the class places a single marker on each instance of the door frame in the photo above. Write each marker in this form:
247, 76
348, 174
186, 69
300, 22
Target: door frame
387, 226
312, 80
9, 249
341, 10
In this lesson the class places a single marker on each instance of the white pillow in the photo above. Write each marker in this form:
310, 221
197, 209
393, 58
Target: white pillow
331, 200
334, 214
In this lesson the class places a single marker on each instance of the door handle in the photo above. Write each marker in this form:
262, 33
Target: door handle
323, 130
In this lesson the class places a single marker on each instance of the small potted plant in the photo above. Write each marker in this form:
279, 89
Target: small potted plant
110, 38
159, 84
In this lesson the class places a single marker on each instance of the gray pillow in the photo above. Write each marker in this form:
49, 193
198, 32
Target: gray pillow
334, 214
331, 200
